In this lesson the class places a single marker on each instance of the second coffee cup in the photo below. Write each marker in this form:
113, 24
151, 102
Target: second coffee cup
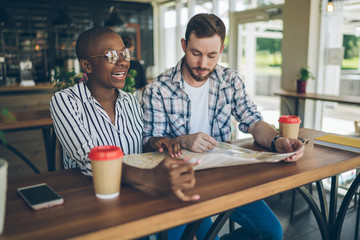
106, 170
289, 126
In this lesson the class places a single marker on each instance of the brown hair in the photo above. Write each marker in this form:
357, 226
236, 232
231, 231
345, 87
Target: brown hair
205, 25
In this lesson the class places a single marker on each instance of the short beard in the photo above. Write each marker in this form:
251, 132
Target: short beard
197, 78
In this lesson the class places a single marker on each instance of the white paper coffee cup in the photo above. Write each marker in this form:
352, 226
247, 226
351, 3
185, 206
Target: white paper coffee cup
106, 166
3, 187
289, 126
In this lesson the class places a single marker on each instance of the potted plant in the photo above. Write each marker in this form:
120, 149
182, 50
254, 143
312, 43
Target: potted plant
63, 79
303, 75
8, 117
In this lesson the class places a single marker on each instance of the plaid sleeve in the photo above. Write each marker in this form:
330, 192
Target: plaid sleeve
155, 120
243, 109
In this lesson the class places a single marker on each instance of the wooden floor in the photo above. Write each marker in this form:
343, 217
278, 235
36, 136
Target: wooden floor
304, 226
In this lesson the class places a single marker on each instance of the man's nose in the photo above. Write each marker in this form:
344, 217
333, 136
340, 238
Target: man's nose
203, 62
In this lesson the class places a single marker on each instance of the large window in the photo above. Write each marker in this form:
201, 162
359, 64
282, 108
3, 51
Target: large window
242, 5
174, 17
258, 57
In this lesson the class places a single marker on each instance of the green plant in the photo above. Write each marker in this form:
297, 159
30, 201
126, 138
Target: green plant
8, 117
304, 74
130, 81
63, 79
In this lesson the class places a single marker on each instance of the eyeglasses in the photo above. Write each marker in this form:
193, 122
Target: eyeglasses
113, 56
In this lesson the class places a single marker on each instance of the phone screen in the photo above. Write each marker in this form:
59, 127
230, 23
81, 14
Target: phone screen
39, 194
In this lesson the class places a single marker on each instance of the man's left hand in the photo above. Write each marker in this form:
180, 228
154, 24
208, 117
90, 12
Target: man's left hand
285, 145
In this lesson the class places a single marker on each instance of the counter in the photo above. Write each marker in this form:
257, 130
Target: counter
16, 98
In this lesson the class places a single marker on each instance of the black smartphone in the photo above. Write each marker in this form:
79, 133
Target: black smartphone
40, 196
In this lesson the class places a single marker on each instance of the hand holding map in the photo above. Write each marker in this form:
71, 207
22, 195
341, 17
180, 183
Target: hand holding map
223, 155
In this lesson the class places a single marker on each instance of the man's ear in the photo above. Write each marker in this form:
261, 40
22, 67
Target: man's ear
85, 66
183, 44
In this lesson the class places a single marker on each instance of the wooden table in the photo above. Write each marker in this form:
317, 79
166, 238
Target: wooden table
29, 120
17, 89
354, 100
135, 214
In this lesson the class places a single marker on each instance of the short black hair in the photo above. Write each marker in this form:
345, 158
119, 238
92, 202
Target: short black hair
88, 38
205, 25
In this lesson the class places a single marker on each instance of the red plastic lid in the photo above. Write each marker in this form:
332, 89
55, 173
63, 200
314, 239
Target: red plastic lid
289, 119
101, 153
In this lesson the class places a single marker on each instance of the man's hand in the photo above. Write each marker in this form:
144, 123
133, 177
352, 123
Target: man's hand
159, 143
197, 142
174, 176
285, 145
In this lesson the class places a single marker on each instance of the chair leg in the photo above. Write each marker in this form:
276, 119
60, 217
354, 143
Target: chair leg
281, 196
292, 207
293, 199
231, 225
357, 207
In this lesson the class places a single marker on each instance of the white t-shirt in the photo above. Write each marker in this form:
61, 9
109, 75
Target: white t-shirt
199, 98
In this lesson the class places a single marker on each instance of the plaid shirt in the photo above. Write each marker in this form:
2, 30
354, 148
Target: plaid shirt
167, 110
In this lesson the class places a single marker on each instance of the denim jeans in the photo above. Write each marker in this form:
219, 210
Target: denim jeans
176, 233
257, 222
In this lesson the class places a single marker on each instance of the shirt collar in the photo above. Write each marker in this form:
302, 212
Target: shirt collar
85, 94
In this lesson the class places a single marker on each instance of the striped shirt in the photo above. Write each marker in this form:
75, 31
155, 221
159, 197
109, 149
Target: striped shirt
167, 107
81, 123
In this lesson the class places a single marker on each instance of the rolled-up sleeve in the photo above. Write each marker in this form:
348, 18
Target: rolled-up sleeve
243, 109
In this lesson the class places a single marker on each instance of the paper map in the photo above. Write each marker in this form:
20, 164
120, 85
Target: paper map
221, 156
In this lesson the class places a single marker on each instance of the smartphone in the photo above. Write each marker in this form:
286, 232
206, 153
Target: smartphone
40, 196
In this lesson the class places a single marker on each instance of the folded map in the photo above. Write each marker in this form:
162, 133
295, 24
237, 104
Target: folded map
223, 155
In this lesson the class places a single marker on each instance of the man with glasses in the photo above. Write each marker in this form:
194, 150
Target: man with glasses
193, 104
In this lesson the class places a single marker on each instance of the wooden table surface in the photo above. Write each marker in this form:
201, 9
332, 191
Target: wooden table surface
27, 120
135, 214
17, 89
322, 97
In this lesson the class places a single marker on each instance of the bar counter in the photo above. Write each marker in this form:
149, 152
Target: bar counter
40, 87
17, 98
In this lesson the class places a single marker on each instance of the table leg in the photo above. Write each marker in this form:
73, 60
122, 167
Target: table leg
330, 221
218, 224
322, 223
191, 229
357, 221
344, 206
333, 203
322, 200
163, 235
49, 143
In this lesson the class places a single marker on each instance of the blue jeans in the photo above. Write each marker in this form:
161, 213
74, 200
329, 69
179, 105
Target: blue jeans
257, 222
176, 233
